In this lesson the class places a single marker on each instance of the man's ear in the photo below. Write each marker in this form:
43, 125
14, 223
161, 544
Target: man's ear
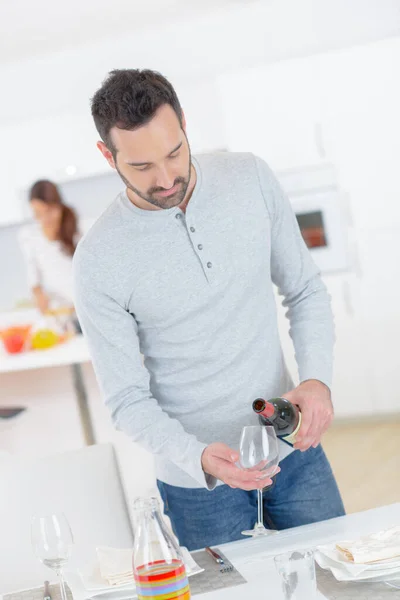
106, 153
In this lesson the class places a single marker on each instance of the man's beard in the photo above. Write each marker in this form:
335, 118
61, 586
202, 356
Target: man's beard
164, 203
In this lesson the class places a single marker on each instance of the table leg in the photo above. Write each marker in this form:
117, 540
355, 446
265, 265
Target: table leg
83, 406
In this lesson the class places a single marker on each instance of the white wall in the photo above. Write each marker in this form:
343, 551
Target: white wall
187, 50
340, 107
45, 123
45, 146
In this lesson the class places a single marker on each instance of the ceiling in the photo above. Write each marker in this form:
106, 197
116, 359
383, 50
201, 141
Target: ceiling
35, 27
31, 28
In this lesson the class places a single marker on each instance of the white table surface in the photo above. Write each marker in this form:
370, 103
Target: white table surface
73, 351
254, 557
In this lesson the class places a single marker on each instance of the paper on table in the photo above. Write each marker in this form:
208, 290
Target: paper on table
115, 565
79, 590
372, 548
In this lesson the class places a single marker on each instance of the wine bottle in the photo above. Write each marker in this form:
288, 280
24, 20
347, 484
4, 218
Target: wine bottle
284, 417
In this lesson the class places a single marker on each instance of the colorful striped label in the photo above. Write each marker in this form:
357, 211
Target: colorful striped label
162, 581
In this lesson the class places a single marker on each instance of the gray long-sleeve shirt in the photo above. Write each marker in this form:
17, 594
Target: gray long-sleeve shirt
194, 294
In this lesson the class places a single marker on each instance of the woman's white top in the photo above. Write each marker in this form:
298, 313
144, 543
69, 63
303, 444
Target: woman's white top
48, 266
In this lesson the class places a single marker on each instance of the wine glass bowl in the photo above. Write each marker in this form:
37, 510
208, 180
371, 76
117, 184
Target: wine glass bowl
259, 449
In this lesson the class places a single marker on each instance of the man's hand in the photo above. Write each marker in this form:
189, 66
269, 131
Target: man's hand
219, 460
314, 400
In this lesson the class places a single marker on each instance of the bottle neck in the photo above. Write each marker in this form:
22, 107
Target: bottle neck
146, 507
264, 408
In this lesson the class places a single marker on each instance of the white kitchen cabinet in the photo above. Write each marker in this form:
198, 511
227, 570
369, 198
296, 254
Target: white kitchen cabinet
366, 307
353, 388
352, 392
360, 96
274, 111
360, 99
380, 310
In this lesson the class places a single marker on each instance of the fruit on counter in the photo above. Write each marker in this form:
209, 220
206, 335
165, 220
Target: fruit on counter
44, 338
23, 330
20, 338
15, 338
14, 343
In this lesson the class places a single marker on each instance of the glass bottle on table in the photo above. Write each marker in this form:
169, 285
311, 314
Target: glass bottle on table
158, 566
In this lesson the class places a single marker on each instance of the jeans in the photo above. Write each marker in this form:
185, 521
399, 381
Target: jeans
305, 491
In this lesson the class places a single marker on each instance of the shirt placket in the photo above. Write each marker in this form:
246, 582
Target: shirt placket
199, 245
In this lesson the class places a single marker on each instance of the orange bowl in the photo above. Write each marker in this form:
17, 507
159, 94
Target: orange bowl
15, 339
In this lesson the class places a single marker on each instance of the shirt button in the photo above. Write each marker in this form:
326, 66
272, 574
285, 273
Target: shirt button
200, 246
178, 216
209, 265
192, 229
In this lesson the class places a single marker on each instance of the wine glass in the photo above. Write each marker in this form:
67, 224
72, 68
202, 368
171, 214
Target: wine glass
259, 451
52, 543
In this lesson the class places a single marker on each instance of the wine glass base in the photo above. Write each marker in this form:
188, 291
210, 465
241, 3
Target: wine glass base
260, 532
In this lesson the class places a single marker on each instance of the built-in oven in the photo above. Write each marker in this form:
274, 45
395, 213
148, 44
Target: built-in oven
322, 212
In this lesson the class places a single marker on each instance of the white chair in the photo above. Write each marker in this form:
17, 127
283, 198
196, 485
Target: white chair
85, 485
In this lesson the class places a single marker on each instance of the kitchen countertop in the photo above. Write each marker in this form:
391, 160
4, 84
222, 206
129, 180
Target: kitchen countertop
73, 351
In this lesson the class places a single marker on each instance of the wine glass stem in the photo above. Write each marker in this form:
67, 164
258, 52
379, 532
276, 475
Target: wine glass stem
62, 585
260, 518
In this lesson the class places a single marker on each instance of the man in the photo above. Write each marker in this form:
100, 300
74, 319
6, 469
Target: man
181, 268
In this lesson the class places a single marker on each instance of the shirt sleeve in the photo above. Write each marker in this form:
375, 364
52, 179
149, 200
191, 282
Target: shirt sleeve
27, 249
298, 280
112, 335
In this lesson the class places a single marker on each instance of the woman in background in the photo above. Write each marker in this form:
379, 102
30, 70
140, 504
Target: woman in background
48, 247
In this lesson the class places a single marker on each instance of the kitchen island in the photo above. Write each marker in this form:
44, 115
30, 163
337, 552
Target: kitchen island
72, 353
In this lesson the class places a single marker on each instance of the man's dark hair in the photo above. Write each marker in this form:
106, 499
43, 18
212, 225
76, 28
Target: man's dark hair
128, 99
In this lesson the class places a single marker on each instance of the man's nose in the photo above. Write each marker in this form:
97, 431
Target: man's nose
165, 178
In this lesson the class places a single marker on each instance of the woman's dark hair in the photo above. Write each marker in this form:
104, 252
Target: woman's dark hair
47, 192
128, 99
